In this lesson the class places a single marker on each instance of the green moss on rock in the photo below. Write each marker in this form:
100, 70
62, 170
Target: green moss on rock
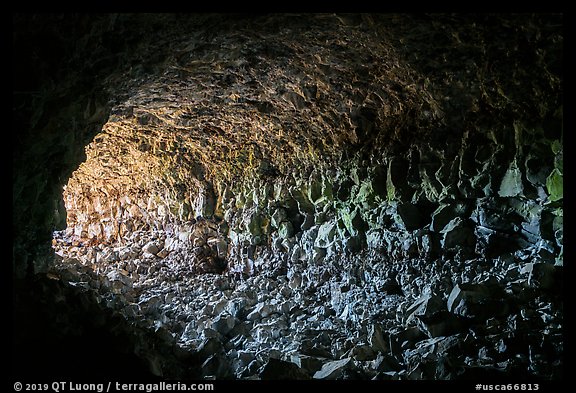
555, 185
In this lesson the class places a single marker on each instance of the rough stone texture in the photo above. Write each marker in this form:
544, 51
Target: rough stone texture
369, 195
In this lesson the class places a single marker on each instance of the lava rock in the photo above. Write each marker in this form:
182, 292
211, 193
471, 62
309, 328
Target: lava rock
224, 323
426, 306
326, 235
442, 216
285, 230
477, 301
277, 369
458, 233
363, 353
333, 370
151, 248
511, 184
401, 340
410, 216
442, 323
378, 339
309, 364
217, 366
544, 275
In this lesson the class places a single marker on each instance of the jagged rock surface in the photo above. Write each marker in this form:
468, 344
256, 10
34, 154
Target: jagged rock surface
360, 196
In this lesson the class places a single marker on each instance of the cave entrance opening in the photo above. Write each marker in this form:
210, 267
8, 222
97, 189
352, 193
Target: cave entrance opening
132, 217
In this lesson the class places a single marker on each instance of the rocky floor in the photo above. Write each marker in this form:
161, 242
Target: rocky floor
356, 317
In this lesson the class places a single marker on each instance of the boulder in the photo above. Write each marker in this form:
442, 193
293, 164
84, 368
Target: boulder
511, 184
458, 233
151, 248
309, 364
216, 366
334, 369
441, 217
277, 369
285, 230
543, 275
410, 216
224, 323
326, 234
278, 217
477, 301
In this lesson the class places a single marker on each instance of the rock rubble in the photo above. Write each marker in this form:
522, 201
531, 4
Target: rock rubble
337, 324
318, 196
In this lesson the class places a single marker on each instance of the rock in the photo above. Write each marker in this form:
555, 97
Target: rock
554, 185
426, 305
245, 357
363, 353
410, 215
277, 369
224, 323
298, 254
543, 275
189, 332
237, 308
385, 362
353, 222
441, 217
492, 243
209, 347
163, 253
318, 255
151, 304
261, 310
285, 230
119, 283
309, 221
432, 317
442, 323
309, 364
171, 243
397, 187
352, 244
314, 349
378, 339
319, 190
477, 301
333, 370
458, 233
255, 223
404, 339
295, 281
366, 196
391, 287
278, 217
219, 247
511, 184
430, 185
428, 359
109, 256
151, 248
326, 235
216, 366
198, 242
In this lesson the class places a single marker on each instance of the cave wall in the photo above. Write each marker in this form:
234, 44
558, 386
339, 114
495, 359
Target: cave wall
66, 71
309, 137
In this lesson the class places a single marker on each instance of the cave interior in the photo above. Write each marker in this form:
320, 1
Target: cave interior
288, 196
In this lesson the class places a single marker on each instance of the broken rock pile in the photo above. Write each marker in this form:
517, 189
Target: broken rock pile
328, 321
